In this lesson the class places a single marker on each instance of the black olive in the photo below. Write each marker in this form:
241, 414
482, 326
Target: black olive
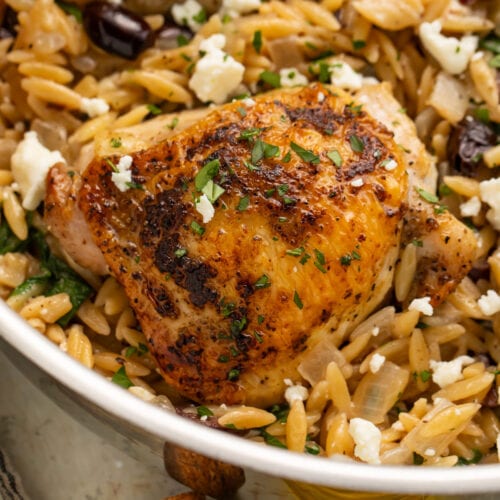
117, 30
170, 36
9, 23
468, 141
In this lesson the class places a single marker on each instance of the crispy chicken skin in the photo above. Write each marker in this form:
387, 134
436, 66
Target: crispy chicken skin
300, 244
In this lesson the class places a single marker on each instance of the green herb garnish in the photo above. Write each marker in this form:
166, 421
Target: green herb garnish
334, 155
305, 154
257, 41
263, 282
121, 378
357, 144
270, 78
207, 173
203, 411
243, 203
297, 300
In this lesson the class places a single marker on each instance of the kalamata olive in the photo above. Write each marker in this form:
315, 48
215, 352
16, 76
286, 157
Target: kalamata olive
170, 36
116, 29
9, 23
468, 141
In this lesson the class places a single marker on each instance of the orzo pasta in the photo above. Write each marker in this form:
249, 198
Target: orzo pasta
416, 381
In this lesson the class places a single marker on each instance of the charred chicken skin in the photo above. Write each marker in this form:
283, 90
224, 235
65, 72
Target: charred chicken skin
306, 195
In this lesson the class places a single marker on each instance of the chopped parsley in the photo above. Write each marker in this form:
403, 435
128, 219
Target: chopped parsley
115, 142
173, 123
358, 44
271, 440
287, 157
320, 260
233, 374
312, 448
258, 336
121, 378
482, 114
197, 228
250, 133
324, 72
271, 78
207, 173
262, 150
200, 17
305, 154
260, 319
494, 62
243, 203
357, 145
425, 195
70, 9
297, 300
257, 41
153, 109
181, 40
263, 282
476, 458
203, 411
346, 259
296, 252
180, 252
212, 191
334, 155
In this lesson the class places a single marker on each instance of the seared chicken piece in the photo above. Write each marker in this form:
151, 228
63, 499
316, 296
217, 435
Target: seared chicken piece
302, 241
446, 247
67, 223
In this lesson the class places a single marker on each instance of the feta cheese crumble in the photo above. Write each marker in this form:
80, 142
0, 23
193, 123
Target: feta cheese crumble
449, 372
375, 331
186, 14
205, 208
234, 8
367, 438
489, 303
123, 177
291, 77
390, 165
29, 165
94, 106
490, 193
471, 207
357, 182
422, 305
376, 362
216, 74
342, 75
451, 53
296, 392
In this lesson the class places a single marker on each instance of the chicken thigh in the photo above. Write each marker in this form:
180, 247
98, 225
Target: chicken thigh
245, 239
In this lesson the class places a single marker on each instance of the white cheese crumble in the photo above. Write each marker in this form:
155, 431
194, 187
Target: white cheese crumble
489, 303
423, 305
357, 182
430, 452
216, 74
123, 177
292, 77
452, 54
29, 165
390, 165
296, 392
205, 208
234, 8
375, 331
342, 75
376, 362
185, 14
248, 102
449, 372
94, 106
490, 193
471, 207
478, 55
321, 96
367, 438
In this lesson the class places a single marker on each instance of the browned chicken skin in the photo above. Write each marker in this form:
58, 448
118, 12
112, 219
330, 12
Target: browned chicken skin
229, 313
302, 243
